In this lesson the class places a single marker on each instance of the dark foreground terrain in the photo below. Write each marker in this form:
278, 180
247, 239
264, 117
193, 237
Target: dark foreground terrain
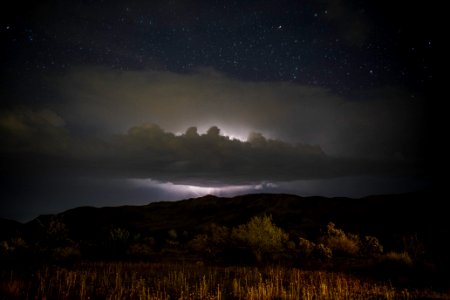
259, 246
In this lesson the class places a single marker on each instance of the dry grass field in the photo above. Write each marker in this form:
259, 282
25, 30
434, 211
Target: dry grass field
195, 281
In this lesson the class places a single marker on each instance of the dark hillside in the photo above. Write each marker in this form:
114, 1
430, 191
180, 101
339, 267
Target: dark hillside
388, 216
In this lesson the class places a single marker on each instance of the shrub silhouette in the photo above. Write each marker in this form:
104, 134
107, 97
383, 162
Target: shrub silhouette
260, 236
66, 253
172, 234
14, 245
212, 244
395, 265
340, 242
172, 241
119, 239
371, 246
140, 251
322, 252
56, 232
119, 235
306, 247
200, 243
397, 258
414, 246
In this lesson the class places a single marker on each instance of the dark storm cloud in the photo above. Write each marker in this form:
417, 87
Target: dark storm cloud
381, 123
213, 158
306, 132
36, 140
148, 151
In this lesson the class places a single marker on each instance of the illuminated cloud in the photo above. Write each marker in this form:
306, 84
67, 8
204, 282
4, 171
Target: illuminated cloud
192, 158
209, 158
380, 124
184, 190
212, 130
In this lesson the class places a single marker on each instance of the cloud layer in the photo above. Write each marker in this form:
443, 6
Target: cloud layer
378, 124
35, 142
306, 132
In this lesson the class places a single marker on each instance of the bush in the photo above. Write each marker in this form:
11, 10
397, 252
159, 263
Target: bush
65, 254
371, 246
414, 246
343, 245
119, 240
140, 251
119, 235
213, 243
394, 266
172, 234
322, 252
200, 243
220, 235
56, 231
13, 246
397, 258
305, 247
339, 242
261, 236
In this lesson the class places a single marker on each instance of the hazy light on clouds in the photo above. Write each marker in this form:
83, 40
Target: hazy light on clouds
307, 132
136, 125
380, 125
184, 190
346, 186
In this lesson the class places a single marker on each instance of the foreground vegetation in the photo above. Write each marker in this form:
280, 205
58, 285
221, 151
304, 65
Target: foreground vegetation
272, 265
249, 247
194, 281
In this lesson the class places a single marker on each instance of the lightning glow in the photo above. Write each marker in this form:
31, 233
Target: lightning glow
185, 190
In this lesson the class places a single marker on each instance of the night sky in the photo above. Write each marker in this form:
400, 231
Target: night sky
127, 102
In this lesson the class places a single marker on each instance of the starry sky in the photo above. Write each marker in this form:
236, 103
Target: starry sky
127, 102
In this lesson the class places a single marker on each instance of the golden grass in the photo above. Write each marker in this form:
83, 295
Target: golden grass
193, 281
